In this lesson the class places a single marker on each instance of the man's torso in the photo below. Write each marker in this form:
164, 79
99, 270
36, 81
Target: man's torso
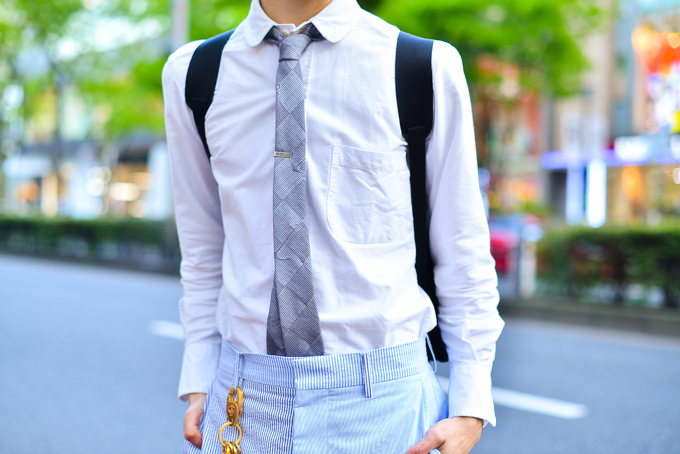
359, 212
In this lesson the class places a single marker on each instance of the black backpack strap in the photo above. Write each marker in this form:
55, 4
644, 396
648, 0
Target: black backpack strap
415, 98
201, 79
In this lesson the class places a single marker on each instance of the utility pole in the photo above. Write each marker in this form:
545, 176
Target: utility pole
179, 33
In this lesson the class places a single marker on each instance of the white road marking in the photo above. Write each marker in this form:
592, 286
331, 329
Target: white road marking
538, 404
532, 403
163, 328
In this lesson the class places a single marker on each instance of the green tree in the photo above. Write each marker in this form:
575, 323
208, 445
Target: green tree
511, 50
34, 22
28, 24
141, 107
542, 37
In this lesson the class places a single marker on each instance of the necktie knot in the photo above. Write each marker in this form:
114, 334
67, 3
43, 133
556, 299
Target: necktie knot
291, 47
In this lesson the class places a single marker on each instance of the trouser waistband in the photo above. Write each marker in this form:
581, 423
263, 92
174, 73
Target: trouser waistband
328, 371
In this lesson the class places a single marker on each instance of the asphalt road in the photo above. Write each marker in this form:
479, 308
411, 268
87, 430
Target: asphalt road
630, 384
81, 371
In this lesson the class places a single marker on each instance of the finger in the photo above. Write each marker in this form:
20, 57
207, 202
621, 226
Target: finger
191, 432
429, 442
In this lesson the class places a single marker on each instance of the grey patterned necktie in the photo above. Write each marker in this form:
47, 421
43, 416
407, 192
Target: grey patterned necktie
293, 327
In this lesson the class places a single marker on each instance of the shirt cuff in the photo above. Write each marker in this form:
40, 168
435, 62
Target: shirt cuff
470, 391
198, 368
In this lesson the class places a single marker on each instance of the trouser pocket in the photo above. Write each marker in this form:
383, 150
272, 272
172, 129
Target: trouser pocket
394, 419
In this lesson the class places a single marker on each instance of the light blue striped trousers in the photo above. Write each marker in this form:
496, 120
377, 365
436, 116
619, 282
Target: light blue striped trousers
380, 401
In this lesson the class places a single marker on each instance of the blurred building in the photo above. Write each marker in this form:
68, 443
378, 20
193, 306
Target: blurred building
510, 126
56, 160
72, 179
615, 155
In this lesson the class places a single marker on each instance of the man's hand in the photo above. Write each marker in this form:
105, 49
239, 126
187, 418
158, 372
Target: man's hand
192, 418
455, 435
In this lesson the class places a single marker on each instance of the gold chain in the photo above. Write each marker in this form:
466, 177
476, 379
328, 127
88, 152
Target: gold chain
234, 411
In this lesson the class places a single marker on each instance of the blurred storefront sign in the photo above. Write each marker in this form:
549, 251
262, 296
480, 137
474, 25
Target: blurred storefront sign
642, 173
632, 150
633, 172
659, 53
628, 151
584, 140
26, 166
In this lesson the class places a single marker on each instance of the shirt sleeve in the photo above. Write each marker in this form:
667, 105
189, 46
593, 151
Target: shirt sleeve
459, 236
200, 231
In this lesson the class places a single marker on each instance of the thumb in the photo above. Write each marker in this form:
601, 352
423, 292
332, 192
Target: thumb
191, 419
429, 442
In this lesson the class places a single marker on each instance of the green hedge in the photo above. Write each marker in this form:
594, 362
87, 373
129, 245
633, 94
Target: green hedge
578, 259
131, 242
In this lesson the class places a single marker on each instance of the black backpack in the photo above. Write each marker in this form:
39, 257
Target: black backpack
413, 78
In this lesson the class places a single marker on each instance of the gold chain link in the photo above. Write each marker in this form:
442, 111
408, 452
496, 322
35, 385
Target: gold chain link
234, 411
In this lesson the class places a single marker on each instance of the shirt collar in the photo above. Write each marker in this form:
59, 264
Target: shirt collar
333, 22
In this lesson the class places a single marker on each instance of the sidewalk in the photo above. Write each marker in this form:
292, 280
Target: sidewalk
664, 322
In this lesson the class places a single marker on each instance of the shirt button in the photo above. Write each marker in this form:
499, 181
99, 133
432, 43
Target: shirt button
278, 86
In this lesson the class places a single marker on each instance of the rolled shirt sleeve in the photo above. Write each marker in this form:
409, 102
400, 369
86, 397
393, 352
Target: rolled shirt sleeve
459, 235
199, 227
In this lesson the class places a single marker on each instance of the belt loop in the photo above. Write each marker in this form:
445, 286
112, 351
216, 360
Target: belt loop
366, 373
434, 358
237, 371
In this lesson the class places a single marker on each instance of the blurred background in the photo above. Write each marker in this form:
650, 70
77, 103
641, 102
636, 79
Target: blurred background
577, 115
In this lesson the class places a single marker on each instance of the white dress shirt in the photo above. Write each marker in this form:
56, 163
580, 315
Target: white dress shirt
359, 207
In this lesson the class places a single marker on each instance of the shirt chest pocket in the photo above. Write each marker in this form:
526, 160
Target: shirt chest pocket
368, 196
